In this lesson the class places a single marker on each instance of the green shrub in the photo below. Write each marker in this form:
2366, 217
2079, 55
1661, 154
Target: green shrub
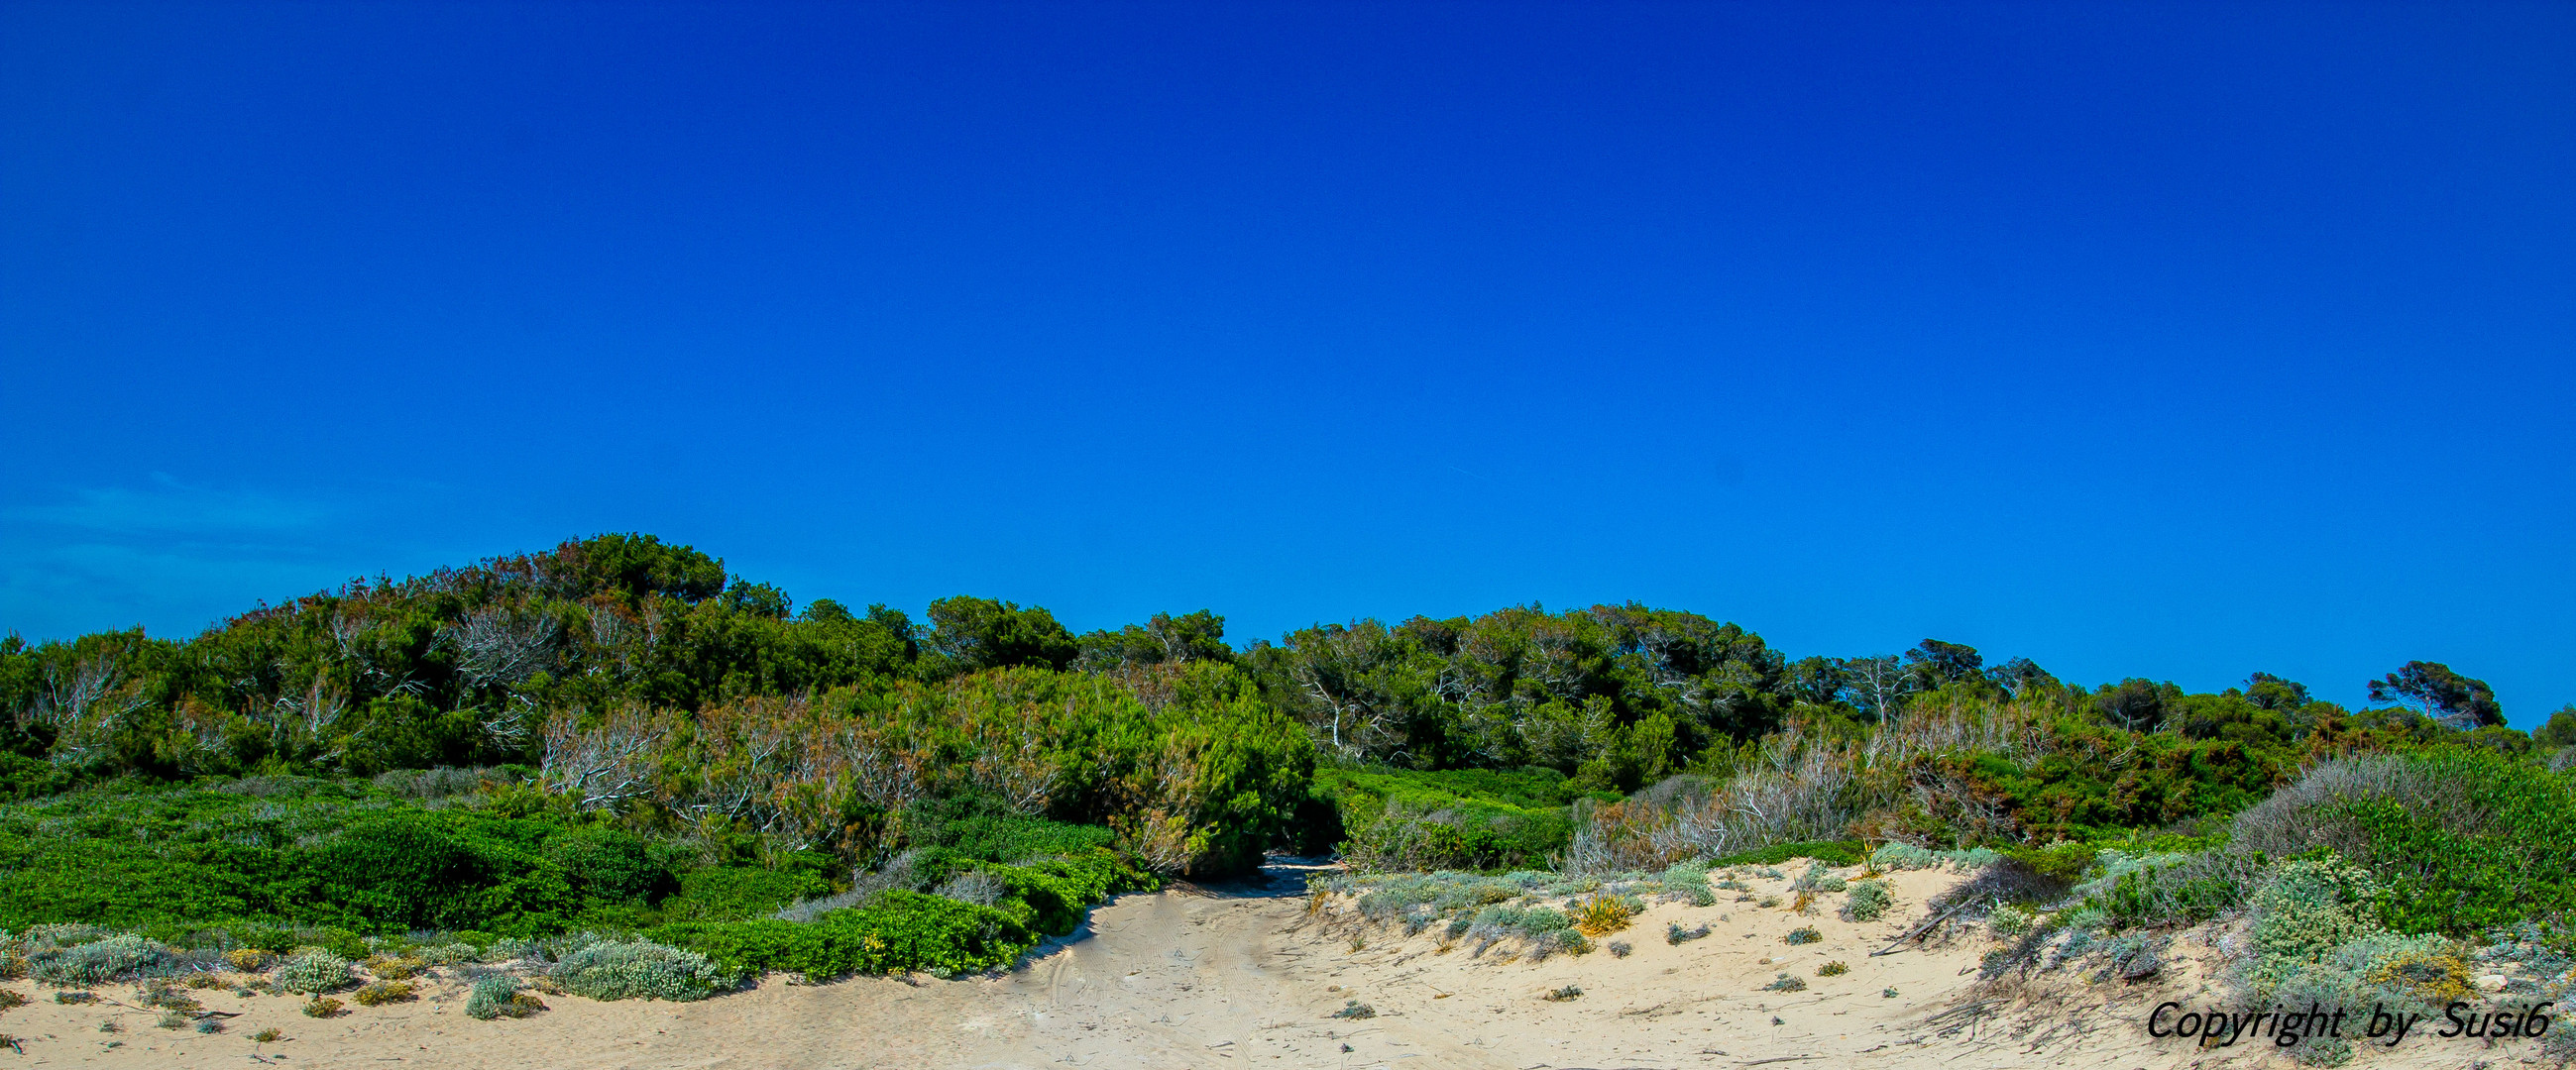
1458, 819
2305, 911
499, 996
1804, 934
98, 961
896, 931
2065, 862
2503, 851
2175, 890
1689, 881
313, 972
1868, 900
609, 970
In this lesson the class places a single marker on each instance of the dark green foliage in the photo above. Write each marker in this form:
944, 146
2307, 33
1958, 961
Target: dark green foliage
1460, 819
731, 893
2444, 695
2560, 731
2186, 891
1525, 687
2134, 704
970, 634
1162, 639
897, 931
311, 853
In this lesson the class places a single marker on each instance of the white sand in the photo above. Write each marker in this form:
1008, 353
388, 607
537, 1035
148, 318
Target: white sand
1246, 979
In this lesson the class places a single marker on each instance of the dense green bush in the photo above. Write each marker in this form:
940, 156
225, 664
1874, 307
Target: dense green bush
2461, 839
1457, 819
896, 931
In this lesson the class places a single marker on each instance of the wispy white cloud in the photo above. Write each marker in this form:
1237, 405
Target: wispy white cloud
166, 506
164, 553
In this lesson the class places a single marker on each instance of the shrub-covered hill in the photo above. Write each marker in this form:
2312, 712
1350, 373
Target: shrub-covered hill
618, 736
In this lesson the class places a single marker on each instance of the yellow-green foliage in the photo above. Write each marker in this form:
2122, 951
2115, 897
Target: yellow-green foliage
1601, 915
321, 1007
394, 967
379, 993
10, 999
1832, 969
2437, 978
248, 959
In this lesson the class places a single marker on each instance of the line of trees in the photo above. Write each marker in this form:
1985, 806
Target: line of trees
529, 659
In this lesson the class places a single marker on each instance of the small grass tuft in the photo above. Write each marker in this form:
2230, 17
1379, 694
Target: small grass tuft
1786, 983
1804, 934
10, 999
1676, 934
321, 1007
210, 1026
270, 1035
1560, 995
1619, 949
1832, 969
1355, 1010
75, 998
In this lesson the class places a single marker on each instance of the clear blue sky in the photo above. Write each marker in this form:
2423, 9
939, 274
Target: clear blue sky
2169, 341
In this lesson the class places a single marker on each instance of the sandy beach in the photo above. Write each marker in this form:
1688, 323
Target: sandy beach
1248, 974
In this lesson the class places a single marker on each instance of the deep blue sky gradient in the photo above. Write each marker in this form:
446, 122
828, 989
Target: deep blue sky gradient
2175, 341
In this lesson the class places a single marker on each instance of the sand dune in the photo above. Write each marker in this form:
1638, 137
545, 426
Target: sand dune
1247, 976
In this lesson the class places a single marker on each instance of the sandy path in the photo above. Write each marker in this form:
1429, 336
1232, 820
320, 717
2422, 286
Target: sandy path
1244, 977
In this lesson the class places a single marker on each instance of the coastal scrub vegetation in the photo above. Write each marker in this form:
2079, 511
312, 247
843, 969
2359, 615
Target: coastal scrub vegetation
635, 774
